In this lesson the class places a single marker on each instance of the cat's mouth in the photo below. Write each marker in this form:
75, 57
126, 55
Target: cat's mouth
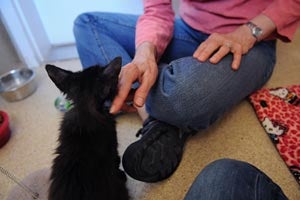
107, 104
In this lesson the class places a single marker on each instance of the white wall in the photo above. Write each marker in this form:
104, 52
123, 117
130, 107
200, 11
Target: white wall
58, 15
8, 55
41, 30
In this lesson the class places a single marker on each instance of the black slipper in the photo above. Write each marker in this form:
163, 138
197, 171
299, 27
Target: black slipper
157, 154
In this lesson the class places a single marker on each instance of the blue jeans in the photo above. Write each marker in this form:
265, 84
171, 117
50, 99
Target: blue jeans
227, 179
188, 94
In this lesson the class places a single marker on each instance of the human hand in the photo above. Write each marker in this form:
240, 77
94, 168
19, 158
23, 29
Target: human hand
143, 69
218, 45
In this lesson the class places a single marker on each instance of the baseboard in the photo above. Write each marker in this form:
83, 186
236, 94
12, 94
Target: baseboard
62, 52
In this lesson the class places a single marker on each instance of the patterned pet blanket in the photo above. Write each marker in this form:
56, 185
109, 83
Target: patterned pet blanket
278, 110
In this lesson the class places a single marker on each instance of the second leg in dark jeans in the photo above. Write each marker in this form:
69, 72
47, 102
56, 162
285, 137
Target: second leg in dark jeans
228, 179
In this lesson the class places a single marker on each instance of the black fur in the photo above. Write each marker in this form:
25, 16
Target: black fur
87, 163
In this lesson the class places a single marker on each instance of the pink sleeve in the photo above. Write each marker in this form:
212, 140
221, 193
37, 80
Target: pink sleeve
286, 16
156, 24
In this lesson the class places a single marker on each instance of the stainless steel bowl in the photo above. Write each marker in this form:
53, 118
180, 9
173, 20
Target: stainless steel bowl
17, 84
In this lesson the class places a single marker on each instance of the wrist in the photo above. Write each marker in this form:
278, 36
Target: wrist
255, 30
146, 49
263, 24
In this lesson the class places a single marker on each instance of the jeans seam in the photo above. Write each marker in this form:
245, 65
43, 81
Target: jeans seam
98, 41
256, 186
90, 23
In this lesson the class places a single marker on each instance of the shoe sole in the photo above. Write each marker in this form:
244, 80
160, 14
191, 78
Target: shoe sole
155, 156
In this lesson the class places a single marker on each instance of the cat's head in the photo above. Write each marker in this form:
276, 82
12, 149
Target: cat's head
94, 85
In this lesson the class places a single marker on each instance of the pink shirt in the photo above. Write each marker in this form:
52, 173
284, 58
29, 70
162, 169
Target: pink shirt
209, 16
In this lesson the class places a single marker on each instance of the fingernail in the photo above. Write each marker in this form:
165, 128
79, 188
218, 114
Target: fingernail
213, 60
112, 109
234, 66
201, 58
139, 101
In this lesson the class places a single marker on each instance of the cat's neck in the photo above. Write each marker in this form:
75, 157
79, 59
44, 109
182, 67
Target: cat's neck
85, 133
87, 114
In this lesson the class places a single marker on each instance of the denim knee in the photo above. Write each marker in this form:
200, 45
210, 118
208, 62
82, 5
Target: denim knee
192, 95
232, 179
102, 36
224, 165
188, 94
218, 180
80, 21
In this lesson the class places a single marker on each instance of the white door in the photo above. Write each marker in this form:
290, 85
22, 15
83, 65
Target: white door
41, 30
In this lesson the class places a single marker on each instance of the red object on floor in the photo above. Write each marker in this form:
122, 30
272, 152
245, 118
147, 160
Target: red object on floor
4, 129
278, 110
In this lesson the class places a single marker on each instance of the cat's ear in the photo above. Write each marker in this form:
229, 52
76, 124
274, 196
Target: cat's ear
113, 68
58, 76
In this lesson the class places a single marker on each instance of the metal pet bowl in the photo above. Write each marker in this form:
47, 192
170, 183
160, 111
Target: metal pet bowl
17, 84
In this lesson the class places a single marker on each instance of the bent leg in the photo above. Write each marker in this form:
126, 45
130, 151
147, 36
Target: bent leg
228, 179
191, 95
100, 37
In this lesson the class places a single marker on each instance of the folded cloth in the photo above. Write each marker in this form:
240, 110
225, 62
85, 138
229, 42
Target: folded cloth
278, 110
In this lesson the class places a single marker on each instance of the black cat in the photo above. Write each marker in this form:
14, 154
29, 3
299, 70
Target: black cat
87, 162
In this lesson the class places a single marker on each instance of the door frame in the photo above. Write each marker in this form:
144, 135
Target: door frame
27, 33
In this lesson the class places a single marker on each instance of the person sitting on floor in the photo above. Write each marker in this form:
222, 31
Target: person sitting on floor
185, 71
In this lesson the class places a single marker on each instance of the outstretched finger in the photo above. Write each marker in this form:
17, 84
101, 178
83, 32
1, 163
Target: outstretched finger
124, 87
120, 97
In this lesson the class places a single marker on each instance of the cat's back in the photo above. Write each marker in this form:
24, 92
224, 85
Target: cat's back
86, 138
87, 161
107, 188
